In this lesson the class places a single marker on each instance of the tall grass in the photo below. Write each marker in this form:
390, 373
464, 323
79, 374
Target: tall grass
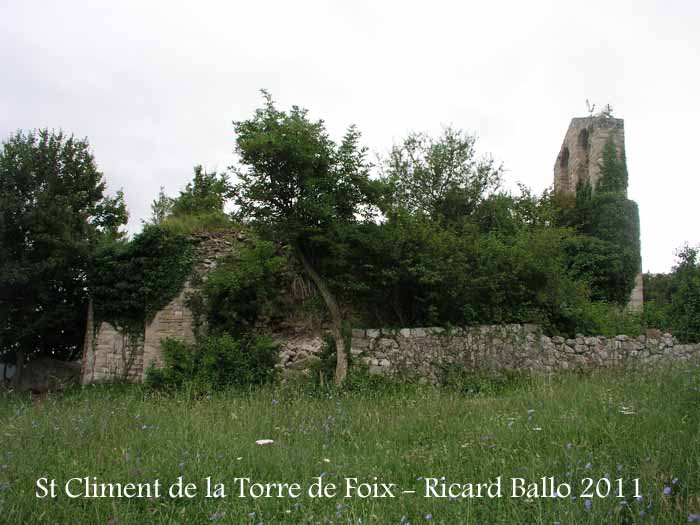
614, 424
201, 222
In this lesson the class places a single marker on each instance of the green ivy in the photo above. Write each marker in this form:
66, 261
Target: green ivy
131, 281
245, 287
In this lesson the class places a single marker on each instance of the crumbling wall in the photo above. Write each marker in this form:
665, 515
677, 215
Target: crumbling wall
579, 162
581, 153
111, 353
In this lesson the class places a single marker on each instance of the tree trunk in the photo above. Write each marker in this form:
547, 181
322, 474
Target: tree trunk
341, 367
19, 367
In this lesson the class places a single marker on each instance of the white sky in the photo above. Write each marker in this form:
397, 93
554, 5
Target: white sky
155, 85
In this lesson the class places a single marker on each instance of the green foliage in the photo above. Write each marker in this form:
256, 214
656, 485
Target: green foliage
212, 221
296, 182
412, 271
53, 211
672, 302
609, 256
298, 186
323, 371
613, 171
215, 362
161, 208
603, 265
601, 318
206, 193
441, 177
131, 281
245, 287
199, 207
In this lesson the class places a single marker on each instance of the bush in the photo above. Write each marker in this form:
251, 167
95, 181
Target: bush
672, 302
604, 265
215, 363
600, 318
245, 287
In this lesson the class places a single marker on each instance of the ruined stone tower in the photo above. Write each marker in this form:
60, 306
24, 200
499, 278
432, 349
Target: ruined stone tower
579, 162
581, 154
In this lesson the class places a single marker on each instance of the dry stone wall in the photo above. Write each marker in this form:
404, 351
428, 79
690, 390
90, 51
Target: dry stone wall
425, 354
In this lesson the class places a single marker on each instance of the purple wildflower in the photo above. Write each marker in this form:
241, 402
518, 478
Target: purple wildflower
694, 518
667, 491
588, 504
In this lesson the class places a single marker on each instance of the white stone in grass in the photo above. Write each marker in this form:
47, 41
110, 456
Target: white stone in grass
264, 442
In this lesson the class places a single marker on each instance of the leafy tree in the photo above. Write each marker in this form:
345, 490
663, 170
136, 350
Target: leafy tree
298, 186
208, 192
439, 177
672, 301
161, 208
53, 212
200, 206
603, 265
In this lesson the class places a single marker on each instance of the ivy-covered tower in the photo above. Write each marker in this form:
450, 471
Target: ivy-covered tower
592, 158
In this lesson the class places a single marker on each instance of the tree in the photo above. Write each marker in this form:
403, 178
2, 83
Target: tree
439, 177
53, 211
199, 207
161, 208
298, 186
684, 309
207, 193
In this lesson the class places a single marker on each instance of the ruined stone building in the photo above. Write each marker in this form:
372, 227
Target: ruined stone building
111, 354
580, 160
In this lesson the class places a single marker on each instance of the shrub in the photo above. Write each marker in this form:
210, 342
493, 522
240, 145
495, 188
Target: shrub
245, 287
601, 318
672, 302
215, 362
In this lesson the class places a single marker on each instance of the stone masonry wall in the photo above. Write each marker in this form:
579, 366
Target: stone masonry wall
425, 354
110, 355
581, 154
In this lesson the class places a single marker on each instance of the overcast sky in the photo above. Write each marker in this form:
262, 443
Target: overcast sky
155, 85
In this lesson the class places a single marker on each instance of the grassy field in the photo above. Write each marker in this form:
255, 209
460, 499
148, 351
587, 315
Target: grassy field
611, 425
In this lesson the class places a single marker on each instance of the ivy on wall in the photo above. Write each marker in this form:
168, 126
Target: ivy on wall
131, 281
609, 252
